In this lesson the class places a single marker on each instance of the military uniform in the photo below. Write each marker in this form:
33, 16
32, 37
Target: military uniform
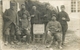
36, 14
25, 24
55, 29
20, 14
63, 23
10, 21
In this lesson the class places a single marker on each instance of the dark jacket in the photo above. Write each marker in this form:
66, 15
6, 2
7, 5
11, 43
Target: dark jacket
36, 14
61, 15
21, 12
9, 16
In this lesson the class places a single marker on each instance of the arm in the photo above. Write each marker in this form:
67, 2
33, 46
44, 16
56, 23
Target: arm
5, 14
59, 27
58, 17
19, 15
67, 17
28, 14
29, 26
47, 27
29, 17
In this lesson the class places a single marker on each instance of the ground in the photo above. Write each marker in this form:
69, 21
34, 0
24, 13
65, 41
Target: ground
71, 43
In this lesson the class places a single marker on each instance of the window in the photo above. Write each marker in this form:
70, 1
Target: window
75, 6
78, 6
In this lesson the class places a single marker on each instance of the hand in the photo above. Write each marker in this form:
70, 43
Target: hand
32, 15
26, 28
45, 15
63, 18
19, 19
57, 30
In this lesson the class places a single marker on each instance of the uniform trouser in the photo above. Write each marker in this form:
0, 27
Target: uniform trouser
64, 30
7, 35
56, 37
28, 36
12, 32
18, 37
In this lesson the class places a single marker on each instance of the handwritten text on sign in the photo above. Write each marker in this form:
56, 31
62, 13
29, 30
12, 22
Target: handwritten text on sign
38, 28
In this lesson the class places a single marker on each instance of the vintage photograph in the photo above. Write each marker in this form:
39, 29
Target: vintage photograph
39, 24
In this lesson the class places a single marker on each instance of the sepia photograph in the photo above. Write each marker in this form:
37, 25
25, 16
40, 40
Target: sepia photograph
39, 24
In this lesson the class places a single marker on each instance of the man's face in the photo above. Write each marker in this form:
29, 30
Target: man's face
34, 7
62, 9
23, 7
53, 18
48, 6
13, 7
24, 16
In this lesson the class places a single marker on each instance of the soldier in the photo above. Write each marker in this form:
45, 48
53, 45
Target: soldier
28, 4
24, 18
55, 30
63, 18
26, 26
35, 15
10, 18
22, 11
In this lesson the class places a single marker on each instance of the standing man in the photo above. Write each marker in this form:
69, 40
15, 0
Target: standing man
10, 22
63, 18
22, 11
35, 17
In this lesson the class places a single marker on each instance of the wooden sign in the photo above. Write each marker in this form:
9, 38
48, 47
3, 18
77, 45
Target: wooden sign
38, 28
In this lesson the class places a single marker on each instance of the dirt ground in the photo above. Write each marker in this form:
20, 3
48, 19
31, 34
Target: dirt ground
72, 43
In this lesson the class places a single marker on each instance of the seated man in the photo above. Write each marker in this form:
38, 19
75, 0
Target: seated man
55, 29
25, 28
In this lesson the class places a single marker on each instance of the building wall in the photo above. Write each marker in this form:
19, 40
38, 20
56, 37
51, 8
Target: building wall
6, 4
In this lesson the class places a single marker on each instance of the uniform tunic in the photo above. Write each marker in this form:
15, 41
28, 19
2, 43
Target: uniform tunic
35, 19
63, 22
53, 26
9, 21
10, 16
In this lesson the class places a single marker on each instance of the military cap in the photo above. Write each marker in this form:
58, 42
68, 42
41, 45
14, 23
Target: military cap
23, 4
13, 3
62, 6
54, 15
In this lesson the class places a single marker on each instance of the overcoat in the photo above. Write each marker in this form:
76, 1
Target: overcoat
9, 16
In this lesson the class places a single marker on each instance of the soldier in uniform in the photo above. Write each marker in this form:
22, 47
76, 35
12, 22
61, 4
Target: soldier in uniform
22, 11
10, 23
55, 30
24, 24
63, 18
34, 17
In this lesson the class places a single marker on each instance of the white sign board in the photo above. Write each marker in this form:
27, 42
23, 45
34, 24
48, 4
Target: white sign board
38, 28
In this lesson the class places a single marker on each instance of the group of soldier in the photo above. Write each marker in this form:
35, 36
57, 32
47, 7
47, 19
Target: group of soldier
19, 25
